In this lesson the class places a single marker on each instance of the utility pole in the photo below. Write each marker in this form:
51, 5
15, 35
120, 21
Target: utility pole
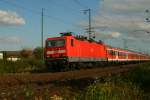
42, 22
89, 26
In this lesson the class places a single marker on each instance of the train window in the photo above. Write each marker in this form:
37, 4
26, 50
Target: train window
119, 53
122, 54
126, 54
72, 42
114, 52
55, 43
111, 52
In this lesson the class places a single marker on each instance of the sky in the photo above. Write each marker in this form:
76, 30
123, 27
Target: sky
119, 23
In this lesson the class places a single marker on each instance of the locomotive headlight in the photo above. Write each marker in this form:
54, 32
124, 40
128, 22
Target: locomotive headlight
56, 51
61, 51
50, 52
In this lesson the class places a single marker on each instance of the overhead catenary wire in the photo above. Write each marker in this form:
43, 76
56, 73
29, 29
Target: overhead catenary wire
80, 4
72, 10
83, 6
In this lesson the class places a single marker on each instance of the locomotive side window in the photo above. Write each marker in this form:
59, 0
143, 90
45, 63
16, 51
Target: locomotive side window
55, 43
72, 42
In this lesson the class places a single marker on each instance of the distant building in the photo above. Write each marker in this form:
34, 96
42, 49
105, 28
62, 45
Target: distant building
1, 55
13, 59
10, 55
13, 55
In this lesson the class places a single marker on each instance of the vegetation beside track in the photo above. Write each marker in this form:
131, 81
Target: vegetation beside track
31, 61
134, 85
21, 66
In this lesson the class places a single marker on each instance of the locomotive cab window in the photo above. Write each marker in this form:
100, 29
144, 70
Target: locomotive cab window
72, 42
55, 43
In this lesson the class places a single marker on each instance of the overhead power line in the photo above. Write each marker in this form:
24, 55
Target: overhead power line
80, 4
65, 7
19, 6
83, 5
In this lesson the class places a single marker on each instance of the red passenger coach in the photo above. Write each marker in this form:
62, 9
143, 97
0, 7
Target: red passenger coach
122, 55
117, 54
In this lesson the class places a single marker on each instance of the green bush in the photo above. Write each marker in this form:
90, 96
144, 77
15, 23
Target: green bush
112, 91
140, 76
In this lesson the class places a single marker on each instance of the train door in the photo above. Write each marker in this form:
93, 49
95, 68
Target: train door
126, 56
116, 53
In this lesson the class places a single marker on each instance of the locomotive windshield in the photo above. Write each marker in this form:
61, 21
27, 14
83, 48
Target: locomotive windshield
55, 43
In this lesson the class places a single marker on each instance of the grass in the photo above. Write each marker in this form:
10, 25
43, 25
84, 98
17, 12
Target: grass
135, 85
140, 76
21, 66
111, 91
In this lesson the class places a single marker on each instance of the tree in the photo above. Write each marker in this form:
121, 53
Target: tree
4, 55
38, 53
26, 53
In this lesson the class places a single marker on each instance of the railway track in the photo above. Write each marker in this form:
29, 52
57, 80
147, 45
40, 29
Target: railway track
42, 78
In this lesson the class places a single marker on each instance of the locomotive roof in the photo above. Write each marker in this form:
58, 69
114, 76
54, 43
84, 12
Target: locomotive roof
82, 38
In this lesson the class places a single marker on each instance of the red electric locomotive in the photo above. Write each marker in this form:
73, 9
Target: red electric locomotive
68, 49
